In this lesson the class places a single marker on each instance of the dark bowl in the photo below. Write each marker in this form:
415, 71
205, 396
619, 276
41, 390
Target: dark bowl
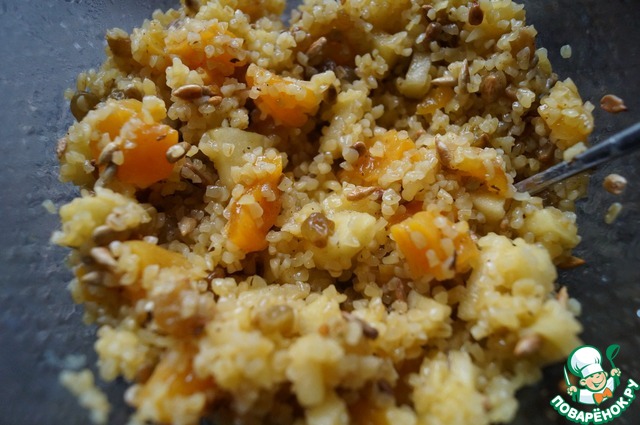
45, 44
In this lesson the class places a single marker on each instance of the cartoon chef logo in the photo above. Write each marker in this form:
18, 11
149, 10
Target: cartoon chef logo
596, 384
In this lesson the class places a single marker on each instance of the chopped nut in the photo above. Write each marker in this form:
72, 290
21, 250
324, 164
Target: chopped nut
433, 31
476, 15
103, 257
614, 183
527, 345
445, 81
277, 318
571, 263
612, 103
317, 228
177, 152
493, 86
360, 192
203, 175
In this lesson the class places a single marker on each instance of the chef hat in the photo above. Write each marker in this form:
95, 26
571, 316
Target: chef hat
585, 361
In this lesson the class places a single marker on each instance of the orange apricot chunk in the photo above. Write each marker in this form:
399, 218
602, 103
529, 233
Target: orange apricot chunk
248, 225
369, 167
434, 246
287, 100
436, 99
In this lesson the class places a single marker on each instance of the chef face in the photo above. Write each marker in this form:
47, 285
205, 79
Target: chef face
595, 382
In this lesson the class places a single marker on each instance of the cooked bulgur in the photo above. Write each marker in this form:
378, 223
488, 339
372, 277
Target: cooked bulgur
316, 222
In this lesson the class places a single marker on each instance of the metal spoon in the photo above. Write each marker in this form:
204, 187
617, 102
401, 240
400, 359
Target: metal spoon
623, 143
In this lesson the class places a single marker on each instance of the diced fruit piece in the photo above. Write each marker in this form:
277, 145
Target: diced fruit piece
149, 254
145, 162
217, 51
489, 204
381, 152
226, 146
172, 381
417, 81
287, 100
352, 232
255, 212
144, 145
482, 164
436, 99
434, 245
569, 120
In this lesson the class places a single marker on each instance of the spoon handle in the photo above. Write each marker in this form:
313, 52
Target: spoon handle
623, 143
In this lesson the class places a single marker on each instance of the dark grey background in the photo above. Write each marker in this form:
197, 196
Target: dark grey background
45, 44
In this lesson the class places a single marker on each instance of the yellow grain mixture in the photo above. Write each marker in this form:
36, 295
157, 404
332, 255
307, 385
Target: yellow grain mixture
315, 222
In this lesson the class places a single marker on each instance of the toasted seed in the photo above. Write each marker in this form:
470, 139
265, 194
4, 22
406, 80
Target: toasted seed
613, 212
433, 31
119, 43
527, 345
545, 152
476, 15
107, 153
92, 278
445, 81
360, 192
189, 92
512, 93
571, 263
493, 86
425, 10
277, 318
103, 257
204, 176
563, 296
177, 152
368, 331
103, 235
614, 183
61, 147
315, 49
317, 228
215, 100
360, 147
81, 103
108, 174
464, 77
612, 103
192, 5
445, 155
